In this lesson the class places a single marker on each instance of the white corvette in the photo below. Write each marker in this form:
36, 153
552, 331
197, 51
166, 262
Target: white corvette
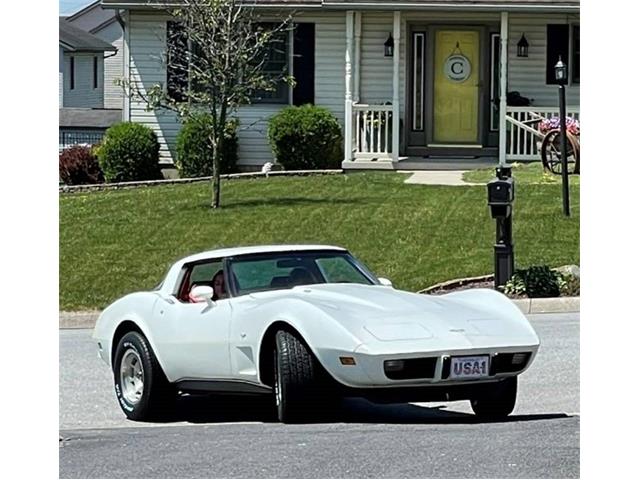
307, 325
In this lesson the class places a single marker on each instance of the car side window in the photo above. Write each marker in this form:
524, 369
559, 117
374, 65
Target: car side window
198, 274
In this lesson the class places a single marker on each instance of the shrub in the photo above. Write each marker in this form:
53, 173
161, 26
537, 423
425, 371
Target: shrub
194, 152
79, 166
130, 152
534, 282
306, 138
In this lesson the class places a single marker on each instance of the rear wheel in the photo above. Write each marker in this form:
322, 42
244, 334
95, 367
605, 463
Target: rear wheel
141, 387
302, 389
497, 402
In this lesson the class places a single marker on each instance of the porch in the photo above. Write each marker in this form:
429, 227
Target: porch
407, 129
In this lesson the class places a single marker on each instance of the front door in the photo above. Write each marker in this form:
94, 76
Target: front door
456, 87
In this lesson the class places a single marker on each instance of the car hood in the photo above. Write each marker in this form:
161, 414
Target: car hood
386, 314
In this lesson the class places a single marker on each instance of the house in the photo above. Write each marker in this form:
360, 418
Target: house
104, 24
413, 82
83, 116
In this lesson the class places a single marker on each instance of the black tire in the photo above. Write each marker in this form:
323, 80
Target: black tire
158, 398
496, 402
302, 389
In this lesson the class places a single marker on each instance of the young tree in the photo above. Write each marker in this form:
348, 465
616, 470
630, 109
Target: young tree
218, 58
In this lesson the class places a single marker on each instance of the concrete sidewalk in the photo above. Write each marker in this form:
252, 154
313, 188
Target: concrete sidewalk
439, 177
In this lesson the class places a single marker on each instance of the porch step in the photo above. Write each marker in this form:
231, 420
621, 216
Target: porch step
446, 163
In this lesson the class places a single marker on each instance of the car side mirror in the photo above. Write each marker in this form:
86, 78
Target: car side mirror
385, 282
201, 294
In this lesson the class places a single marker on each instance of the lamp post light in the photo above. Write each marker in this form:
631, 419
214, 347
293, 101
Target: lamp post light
561, 78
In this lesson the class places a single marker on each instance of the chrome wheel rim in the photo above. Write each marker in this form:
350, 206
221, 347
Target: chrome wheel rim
131, 376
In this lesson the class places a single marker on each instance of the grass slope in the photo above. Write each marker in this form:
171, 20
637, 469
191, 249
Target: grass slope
116, 242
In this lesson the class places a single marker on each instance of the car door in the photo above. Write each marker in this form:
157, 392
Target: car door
194, 338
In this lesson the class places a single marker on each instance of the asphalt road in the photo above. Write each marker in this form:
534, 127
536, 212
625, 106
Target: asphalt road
228, 438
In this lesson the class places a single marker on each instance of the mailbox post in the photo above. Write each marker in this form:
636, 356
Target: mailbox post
501, 191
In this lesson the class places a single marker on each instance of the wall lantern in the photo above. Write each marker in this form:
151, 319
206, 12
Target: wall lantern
388, 47
523, 47
561, 71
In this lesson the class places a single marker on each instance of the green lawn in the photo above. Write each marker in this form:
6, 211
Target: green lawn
524, 173
116, 242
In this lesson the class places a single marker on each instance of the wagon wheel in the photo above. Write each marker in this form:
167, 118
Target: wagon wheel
551, 156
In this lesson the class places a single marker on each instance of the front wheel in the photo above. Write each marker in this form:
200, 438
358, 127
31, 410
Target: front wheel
141, 387
498, 401
302, 388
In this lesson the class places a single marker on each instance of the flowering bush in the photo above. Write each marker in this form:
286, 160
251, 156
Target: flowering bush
573, 126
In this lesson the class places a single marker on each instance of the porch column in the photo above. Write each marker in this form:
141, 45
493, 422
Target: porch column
395, 141
504, 50
348, 97
358, 54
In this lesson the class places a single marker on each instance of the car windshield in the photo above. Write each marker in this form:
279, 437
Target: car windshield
276, 271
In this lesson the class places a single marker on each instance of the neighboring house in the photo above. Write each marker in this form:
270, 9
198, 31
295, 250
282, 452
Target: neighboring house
104, 25
437, 96
83, 117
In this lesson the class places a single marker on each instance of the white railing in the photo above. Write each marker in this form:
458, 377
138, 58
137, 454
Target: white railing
522, 132
372, 131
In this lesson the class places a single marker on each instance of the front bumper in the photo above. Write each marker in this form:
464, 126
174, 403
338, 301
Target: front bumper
368, 371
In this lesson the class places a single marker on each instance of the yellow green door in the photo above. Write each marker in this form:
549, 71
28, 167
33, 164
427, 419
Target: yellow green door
455, 105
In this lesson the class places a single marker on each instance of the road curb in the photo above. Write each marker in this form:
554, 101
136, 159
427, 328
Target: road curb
548, 305
74, 320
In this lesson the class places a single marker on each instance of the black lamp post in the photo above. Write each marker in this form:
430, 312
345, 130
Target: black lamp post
388, 47
523, 47
561, 78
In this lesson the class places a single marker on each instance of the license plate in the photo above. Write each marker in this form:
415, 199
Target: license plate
470, 367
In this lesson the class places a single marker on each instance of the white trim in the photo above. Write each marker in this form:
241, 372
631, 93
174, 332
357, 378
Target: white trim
358, 55
395, 132
348, 97
504, 47
126, 59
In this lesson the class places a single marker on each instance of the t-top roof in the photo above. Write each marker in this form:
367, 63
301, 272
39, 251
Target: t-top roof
231, 252
76, 40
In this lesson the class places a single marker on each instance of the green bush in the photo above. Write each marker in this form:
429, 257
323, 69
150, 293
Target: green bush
306, 138
79, 166
534, 282
130, 152
194, 152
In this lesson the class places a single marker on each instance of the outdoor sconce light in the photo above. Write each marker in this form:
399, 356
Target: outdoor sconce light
388, 47
561, 71
523, 47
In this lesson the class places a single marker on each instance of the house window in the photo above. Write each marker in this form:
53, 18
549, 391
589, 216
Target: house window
276, 64
178, 79
177, 66
72, 73
495, 82
95, 72
575, 54
418, 79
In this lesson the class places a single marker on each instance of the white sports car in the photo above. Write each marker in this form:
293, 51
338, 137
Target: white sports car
307, 325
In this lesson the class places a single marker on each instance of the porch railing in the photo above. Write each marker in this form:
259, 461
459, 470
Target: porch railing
522, 140
373, 131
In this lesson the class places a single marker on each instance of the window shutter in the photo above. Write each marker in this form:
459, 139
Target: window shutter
557, 46
304, 45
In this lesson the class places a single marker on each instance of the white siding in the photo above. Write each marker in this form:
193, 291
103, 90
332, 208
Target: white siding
147, 41
528, 75
113, 66
60, 77
83, 94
